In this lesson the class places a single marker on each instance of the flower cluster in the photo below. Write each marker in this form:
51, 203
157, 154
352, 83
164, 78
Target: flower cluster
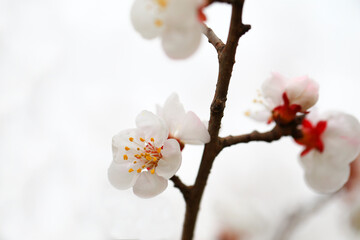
177, 22
331, 140
145, 157
283, 98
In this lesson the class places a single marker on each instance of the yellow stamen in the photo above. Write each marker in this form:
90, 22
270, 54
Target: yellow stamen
127, 148
158, 23
247, 113
131, 139
125, 157
158, 150
152, 139
131, 170
135, 162
161, 3
139, 170
138, 149
152, 171
143, 166
154, 158
141, 139
148, 158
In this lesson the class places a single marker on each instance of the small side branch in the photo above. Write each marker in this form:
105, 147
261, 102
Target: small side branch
275, 134
213, 39
184, 189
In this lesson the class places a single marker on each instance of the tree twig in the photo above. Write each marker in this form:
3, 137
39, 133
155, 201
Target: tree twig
212, 149
184, 189
213, 39
275, 134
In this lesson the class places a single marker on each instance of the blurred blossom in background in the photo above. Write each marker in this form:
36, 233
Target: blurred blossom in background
73, 73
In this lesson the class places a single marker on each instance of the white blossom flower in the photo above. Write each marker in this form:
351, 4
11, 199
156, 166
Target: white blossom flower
185, 127
177, 22
332, 142
283, 98
144, 158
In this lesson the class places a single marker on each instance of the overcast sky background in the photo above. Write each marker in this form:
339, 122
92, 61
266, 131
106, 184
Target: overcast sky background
73, 73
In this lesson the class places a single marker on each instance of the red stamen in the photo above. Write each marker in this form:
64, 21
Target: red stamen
311, 136
285, 113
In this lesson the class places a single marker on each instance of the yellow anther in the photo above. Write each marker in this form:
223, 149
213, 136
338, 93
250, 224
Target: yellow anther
161, 3
138, 149
154, 158
152, 139
247, 113
144, 148
127, 148
158, 22
143, 166
148, 158
131, 139
158, 150
125, 157
131, 170
139, 170
152, 171
135, 162
141, 139
142, 155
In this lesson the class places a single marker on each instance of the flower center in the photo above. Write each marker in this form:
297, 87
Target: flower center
311, 136
145, 156
285, 113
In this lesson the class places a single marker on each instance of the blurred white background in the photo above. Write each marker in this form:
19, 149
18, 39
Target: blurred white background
73, 73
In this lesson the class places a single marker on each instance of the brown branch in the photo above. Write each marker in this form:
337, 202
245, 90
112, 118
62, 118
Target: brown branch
184, 189
275, 134
212, 149
213, 39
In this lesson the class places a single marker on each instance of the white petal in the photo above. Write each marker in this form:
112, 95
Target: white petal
172, 112
326, 178
341, 138
273, 88
171, 160
144, 13
180, 43
192, 130
120, 141
120, 177
149, 185
260, 116
182, 34
345, 129
303, 91
152, 126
